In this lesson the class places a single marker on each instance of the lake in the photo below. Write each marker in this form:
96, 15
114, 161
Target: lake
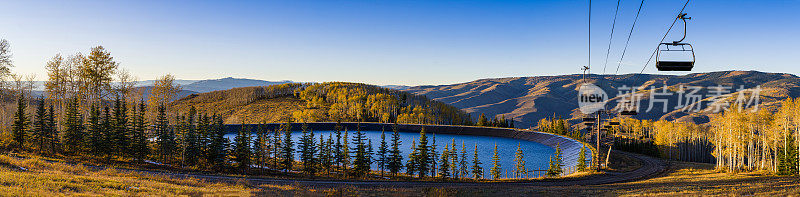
536, 155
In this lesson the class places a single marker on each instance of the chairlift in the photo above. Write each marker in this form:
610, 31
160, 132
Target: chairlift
676, 55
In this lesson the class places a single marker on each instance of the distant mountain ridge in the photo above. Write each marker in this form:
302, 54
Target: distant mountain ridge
528, 99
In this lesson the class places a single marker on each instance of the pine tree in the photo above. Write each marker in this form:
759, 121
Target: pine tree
444, 168
463, 169
519, 167
395, 161
477, 170
106, 131
433, 156
242, 151
323, 158
556, 163
307, 151
219, 144
192, 140
260, 146
413, 159
95, 132
119, 130
139, 148
582, 159
454, 159
496, 168
338, 153
287, 148
383, 149
423, 159
39, 134
345, 153
74, 134
53, 136
20, 127
165, 137
277, 147
360, 161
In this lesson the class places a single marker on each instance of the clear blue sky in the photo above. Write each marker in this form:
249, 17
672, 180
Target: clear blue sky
392, 42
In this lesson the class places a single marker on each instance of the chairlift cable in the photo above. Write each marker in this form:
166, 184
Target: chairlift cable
624, 50
611, 37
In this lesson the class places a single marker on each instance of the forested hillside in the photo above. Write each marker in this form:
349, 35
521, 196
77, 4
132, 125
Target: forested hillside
331, 101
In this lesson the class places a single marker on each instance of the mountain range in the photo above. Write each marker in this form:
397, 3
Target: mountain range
528, 99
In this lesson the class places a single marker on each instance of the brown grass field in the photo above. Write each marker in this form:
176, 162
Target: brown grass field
48, 178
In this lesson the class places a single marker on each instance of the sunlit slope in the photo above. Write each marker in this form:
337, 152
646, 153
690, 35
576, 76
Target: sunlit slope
528, 99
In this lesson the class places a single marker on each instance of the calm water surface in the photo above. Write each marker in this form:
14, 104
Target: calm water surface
536, 154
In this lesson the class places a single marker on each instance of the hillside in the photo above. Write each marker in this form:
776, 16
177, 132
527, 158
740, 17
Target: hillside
210, 85
332, 101
528, 99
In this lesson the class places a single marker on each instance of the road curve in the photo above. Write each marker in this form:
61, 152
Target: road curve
650, 167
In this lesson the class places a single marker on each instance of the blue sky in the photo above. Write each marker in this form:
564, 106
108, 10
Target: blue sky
393, 42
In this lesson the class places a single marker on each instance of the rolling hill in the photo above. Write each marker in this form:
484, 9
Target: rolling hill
528, 99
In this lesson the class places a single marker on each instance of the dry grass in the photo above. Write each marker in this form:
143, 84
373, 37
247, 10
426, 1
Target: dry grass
43, 178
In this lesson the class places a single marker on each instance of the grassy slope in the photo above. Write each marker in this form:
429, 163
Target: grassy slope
270, 110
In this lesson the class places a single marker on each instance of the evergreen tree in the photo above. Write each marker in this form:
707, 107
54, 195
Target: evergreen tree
74, 134
307, 151
242, 151
496, 168
323, 158
139, 148
39, 134
345, 153
519, 163
260, 148
463, 168
383, 149
20, 127
53, 136
433, 155
556, 163
582, 159
360, 161
192, 140
119, 130
454, 159
165, 137
277, 147
477, 170
287, 148
95, 132
423, 159
444, 168
219, 144
395, 160
413, 159
106, 131
338, 153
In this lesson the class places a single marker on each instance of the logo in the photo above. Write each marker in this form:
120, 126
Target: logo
591, 98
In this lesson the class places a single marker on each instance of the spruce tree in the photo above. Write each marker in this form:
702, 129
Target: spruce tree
434, 156
496, 170
39, 135
423, 161
106, 131
338, 157
444, 167
139, 148
323, 158
53, 136
395, 160
463, 168
345, 153
74, 134
165, 137
219, 144
519, 163
307, 151
360, 161
477, 170
287, 148
260, 146
556, 163
94, 132
413, 159
119, 140
582, 159
454, 159
383, 149
192, 139
277, 147
242, 151
20, 127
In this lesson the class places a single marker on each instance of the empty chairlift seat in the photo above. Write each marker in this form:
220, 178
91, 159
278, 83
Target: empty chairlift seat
675, 57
